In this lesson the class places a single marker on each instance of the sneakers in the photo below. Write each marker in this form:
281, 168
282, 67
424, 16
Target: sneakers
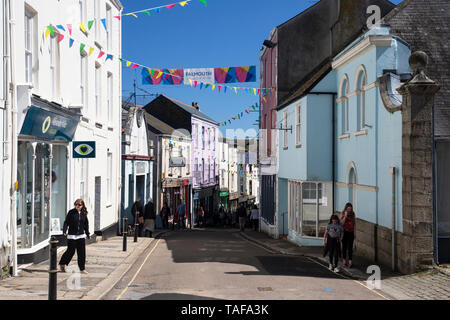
330, 266
62, 268
336, 269
84, 272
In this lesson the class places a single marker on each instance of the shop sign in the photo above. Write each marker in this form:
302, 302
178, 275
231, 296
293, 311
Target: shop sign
224, 194
84, 149
49, 125
141, 167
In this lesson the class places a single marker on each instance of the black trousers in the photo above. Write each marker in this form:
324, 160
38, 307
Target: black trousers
347, 244
72, 245
334, 249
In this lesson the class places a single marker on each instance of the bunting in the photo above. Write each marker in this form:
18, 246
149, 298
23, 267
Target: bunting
148, 11
253, 107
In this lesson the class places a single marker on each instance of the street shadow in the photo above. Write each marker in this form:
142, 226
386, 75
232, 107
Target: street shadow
176, 296
225, 247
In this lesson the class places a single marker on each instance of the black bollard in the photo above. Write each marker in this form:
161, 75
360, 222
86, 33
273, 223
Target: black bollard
124, 233
53, 271
136, 229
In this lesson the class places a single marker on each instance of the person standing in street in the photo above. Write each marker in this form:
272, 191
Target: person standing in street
332, 242
254, 217
76, 229
149, 217
348, 222
138, 215
242, 214
165, 213
181, 215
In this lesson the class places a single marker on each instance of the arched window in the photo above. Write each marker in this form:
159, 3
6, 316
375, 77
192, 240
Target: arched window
361, 82
343, 95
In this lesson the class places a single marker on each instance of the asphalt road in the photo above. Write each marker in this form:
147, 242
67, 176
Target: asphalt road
220, 264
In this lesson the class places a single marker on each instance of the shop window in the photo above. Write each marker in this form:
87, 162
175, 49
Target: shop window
59, 188
309, 208
25, 195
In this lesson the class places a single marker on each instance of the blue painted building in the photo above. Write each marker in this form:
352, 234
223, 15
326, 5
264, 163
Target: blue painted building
338, 130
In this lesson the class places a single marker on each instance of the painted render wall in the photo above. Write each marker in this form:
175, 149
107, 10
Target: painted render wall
373, 153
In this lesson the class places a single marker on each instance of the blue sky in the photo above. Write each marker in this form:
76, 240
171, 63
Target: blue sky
224, 33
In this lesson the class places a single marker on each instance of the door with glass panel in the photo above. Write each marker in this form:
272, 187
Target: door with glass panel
24, 195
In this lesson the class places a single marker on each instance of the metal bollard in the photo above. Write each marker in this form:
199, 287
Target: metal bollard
136, 227
124, 233
53, 271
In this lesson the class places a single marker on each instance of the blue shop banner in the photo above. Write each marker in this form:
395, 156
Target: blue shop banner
49, 125
84, 150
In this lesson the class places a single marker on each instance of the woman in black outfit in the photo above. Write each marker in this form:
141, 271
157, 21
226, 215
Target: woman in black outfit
78, 225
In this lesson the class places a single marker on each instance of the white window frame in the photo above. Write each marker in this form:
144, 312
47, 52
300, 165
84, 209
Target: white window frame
29, 44
285, 133
361, 82
98, 90
109, 98
298, 125
54, 67
109, 178
83, 79
108, 27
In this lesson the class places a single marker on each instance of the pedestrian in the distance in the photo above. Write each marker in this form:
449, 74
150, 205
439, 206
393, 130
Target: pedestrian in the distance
181, 211
149, 218
349, 223
332, 242
242, 214
254, 217
76, 229
165, 213
137, 211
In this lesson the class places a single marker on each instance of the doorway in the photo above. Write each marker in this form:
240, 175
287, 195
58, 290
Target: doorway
443, 200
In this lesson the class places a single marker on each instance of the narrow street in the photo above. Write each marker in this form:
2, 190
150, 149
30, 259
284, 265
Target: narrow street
220, 264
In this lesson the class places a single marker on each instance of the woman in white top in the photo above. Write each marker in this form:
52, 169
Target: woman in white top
254, 217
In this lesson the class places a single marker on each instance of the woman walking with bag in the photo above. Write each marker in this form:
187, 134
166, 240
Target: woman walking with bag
76, 229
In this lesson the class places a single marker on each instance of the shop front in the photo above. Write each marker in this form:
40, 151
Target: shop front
176, 192
42, 177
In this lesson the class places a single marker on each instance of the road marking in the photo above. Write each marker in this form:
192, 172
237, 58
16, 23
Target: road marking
358, 282
139, 270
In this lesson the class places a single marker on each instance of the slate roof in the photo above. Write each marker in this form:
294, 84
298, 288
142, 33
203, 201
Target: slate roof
425, 26
157, 126
194, 112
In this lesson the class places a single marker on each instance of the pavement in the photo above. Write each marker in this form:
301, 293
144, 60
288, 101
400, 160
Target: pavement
431, 284
106, 263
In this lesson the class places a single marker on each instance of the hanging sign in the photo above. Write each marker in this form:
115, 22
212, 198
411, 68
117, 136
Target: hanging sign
84, 150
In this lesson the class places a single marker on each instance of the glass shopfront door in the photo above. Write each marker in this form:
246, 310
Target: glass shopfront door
42, 181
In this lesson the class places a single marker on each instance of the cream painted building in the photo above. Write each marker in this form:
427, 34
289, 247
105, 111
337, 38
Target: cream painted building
61, 94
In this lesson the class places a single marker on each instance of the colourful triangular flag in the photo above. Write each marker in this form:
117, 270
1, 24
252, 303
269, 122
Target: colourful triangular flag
48, 31
82, 27
183, 3
91, 51
134, 66
117, 17
104, 23
159, 75
61, 27
71, 41
109, 57
60, 37
100, 54
147, 12
170, 6
69, 26
132, 14
203, 1
90, 24
128, 63
82, 47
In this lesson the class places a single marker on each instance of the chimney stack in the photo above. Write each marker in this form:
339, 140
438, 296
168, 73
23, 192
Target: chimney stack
195, 105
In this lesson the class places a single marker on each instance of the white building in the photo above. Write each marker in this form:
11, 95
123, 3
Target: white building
138, 160
64, 93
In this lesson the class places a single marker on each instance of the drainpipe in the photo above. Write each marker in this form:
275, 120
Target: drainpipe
392, 170
12, 132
